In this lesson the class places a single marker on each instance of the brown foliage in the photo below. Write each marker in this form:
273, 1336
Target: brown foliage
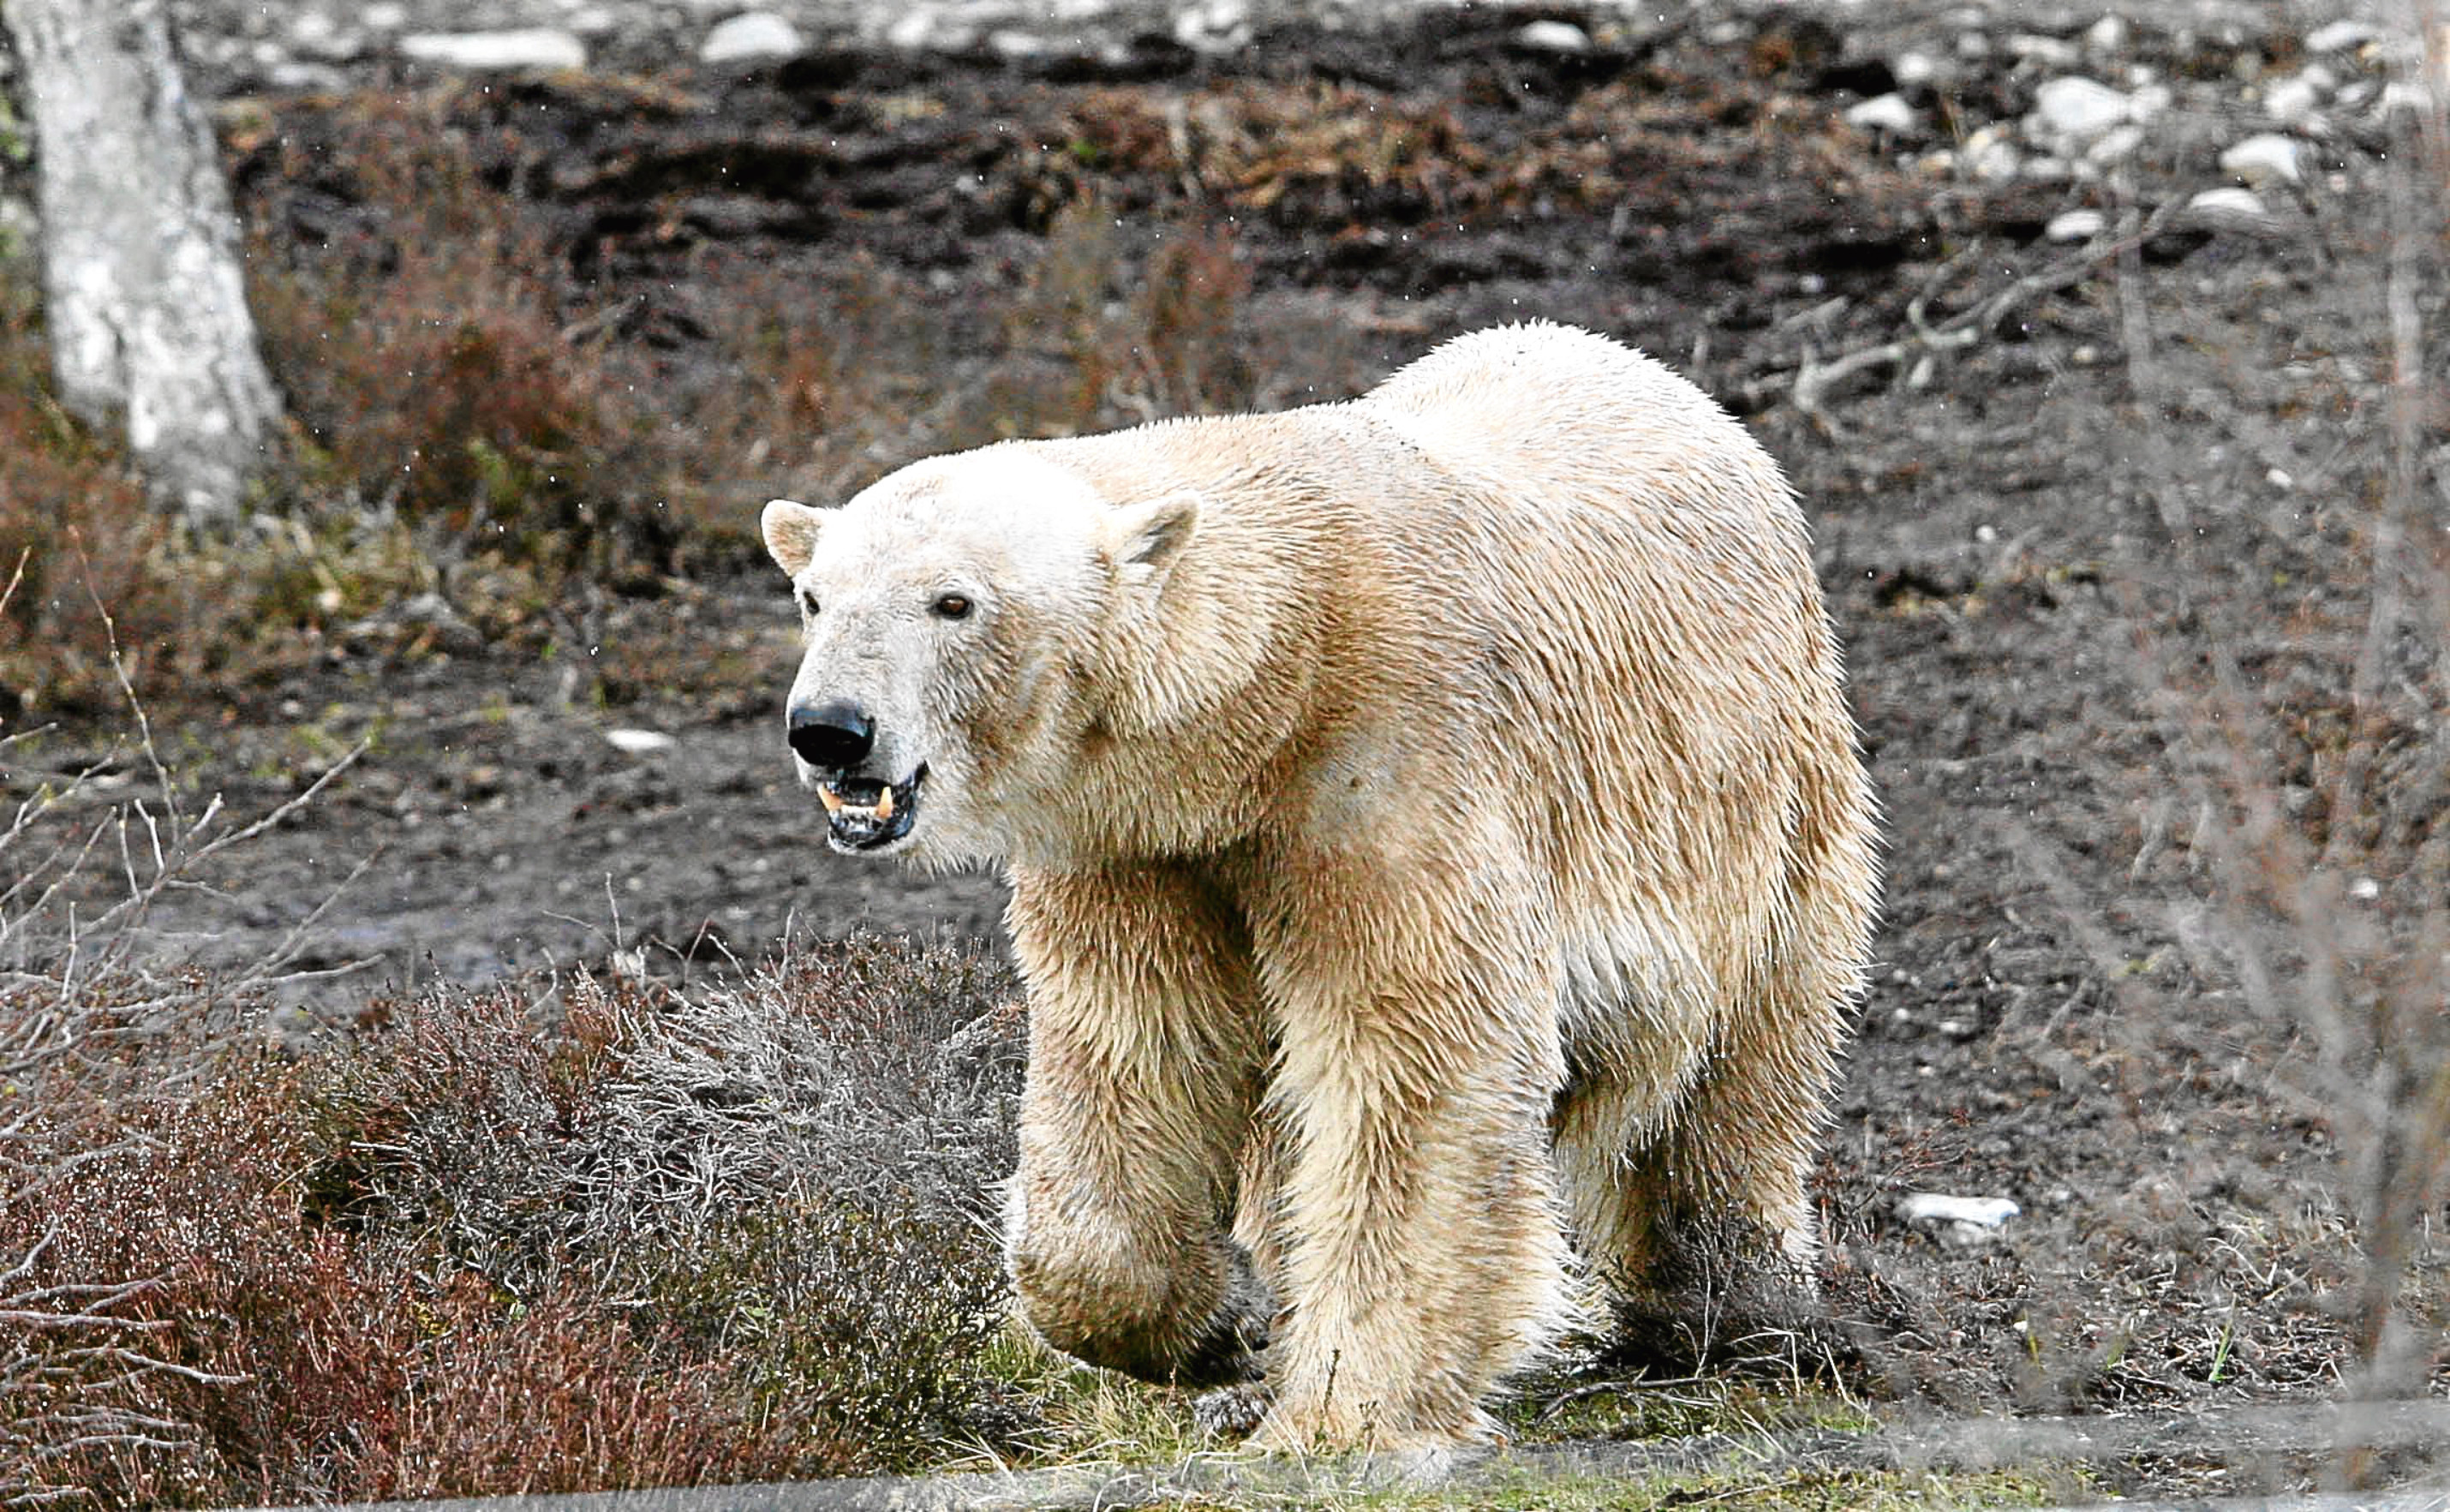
675, 1242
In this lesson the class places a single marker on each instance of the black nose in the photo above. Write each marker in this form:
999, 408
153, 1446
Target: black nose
834, 735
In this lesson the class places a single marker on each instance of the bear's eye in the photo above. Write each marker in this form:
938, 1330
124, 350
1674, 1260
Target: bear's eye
951, 606
808, 603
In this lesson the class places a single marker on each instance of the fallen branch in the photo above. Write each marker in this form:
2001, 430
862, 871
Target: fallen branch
1809, 383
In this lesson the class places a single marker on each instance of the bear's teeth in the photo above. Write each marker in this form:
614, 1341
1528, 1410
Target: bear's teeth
884, 806
833, 801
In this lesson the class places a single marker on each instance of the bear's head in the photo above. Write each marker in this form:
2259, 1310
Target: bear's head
958, 618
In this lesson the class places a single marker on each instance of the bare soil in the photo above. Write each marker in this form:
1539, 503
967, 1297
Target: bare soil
2035, 544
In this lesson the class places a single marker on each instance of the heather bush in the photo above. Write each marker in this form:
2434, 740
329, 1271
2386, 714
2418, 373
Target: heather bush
617, 1238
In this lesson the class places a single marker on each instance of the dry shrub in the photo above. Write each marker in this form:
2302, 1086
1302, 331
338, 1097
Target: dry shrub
421, 341
675, 1240
76, 533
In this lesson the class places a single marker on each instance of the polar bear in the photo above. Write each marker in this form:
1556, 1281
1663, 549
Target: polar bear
1440, 861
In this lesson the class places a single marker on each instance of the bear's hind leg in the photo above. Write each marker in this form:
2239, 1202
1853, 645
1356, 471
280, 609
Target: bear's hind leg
1145, 1059
1695, 1215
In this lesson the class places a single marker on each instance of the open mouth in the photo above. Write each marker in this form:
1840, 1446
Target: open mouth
865, 814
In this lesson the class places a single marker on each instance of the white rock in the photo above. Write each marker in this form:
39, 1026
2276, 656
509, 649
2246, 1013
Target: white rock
751, 36
384, 15
2341, 36
1883, 112
305, 78
2074, 225
1015, 46
2265, 158
2293, 99
1965, 1222
1989, 156
1914, 68
639, 742
2116, 145
2076, 108
2109, 35
538, 48
2051, 52
2229, 206
913, 29
2365, 890
2149, 100
1553, 37
1213, 26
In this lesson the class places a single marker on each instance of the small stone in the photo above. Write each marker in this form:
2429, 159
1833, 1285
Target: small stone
639, 742
749, 37
1964, 1223
2341, 36
2077, 108
1214, 27
305, 78
1989, 156
2074, 225
1887, 113
2109, 35
1913, 70
912, 29
2365, 890
540, 49
2292, 99
2229, 205
1015, 46
2265, 158
384, 15
1553, 37
2051, 52
2117, 145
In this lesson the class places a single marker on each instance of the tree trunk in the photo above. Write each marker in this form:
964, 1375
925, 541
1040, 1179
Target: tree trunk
144, 302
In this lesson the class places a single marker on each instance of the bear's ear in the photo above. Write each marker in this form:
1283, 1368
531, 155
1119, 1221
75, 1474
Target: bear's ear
790, 533
1149, 536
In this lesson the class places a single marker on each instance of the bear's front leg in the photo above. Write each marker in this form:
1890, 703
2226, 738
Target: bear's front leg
1145, 1059
1419, 1057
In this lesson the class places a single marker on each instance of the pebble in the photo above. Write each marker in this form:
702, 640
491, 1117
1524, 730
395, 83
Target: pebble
2076, 108
531, 47
2341, 36
752, 37
2051, 52
1965, 1223
1553, 37
2229, 205
1883, 112
1214, 27
2293, 100
2265, 158
2116, 145
2106, 35
1915, 69
2074, 225
639, 742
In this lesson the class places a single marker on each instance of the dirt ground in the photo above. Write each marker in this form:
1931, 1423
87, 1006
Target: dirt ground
2042, 546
